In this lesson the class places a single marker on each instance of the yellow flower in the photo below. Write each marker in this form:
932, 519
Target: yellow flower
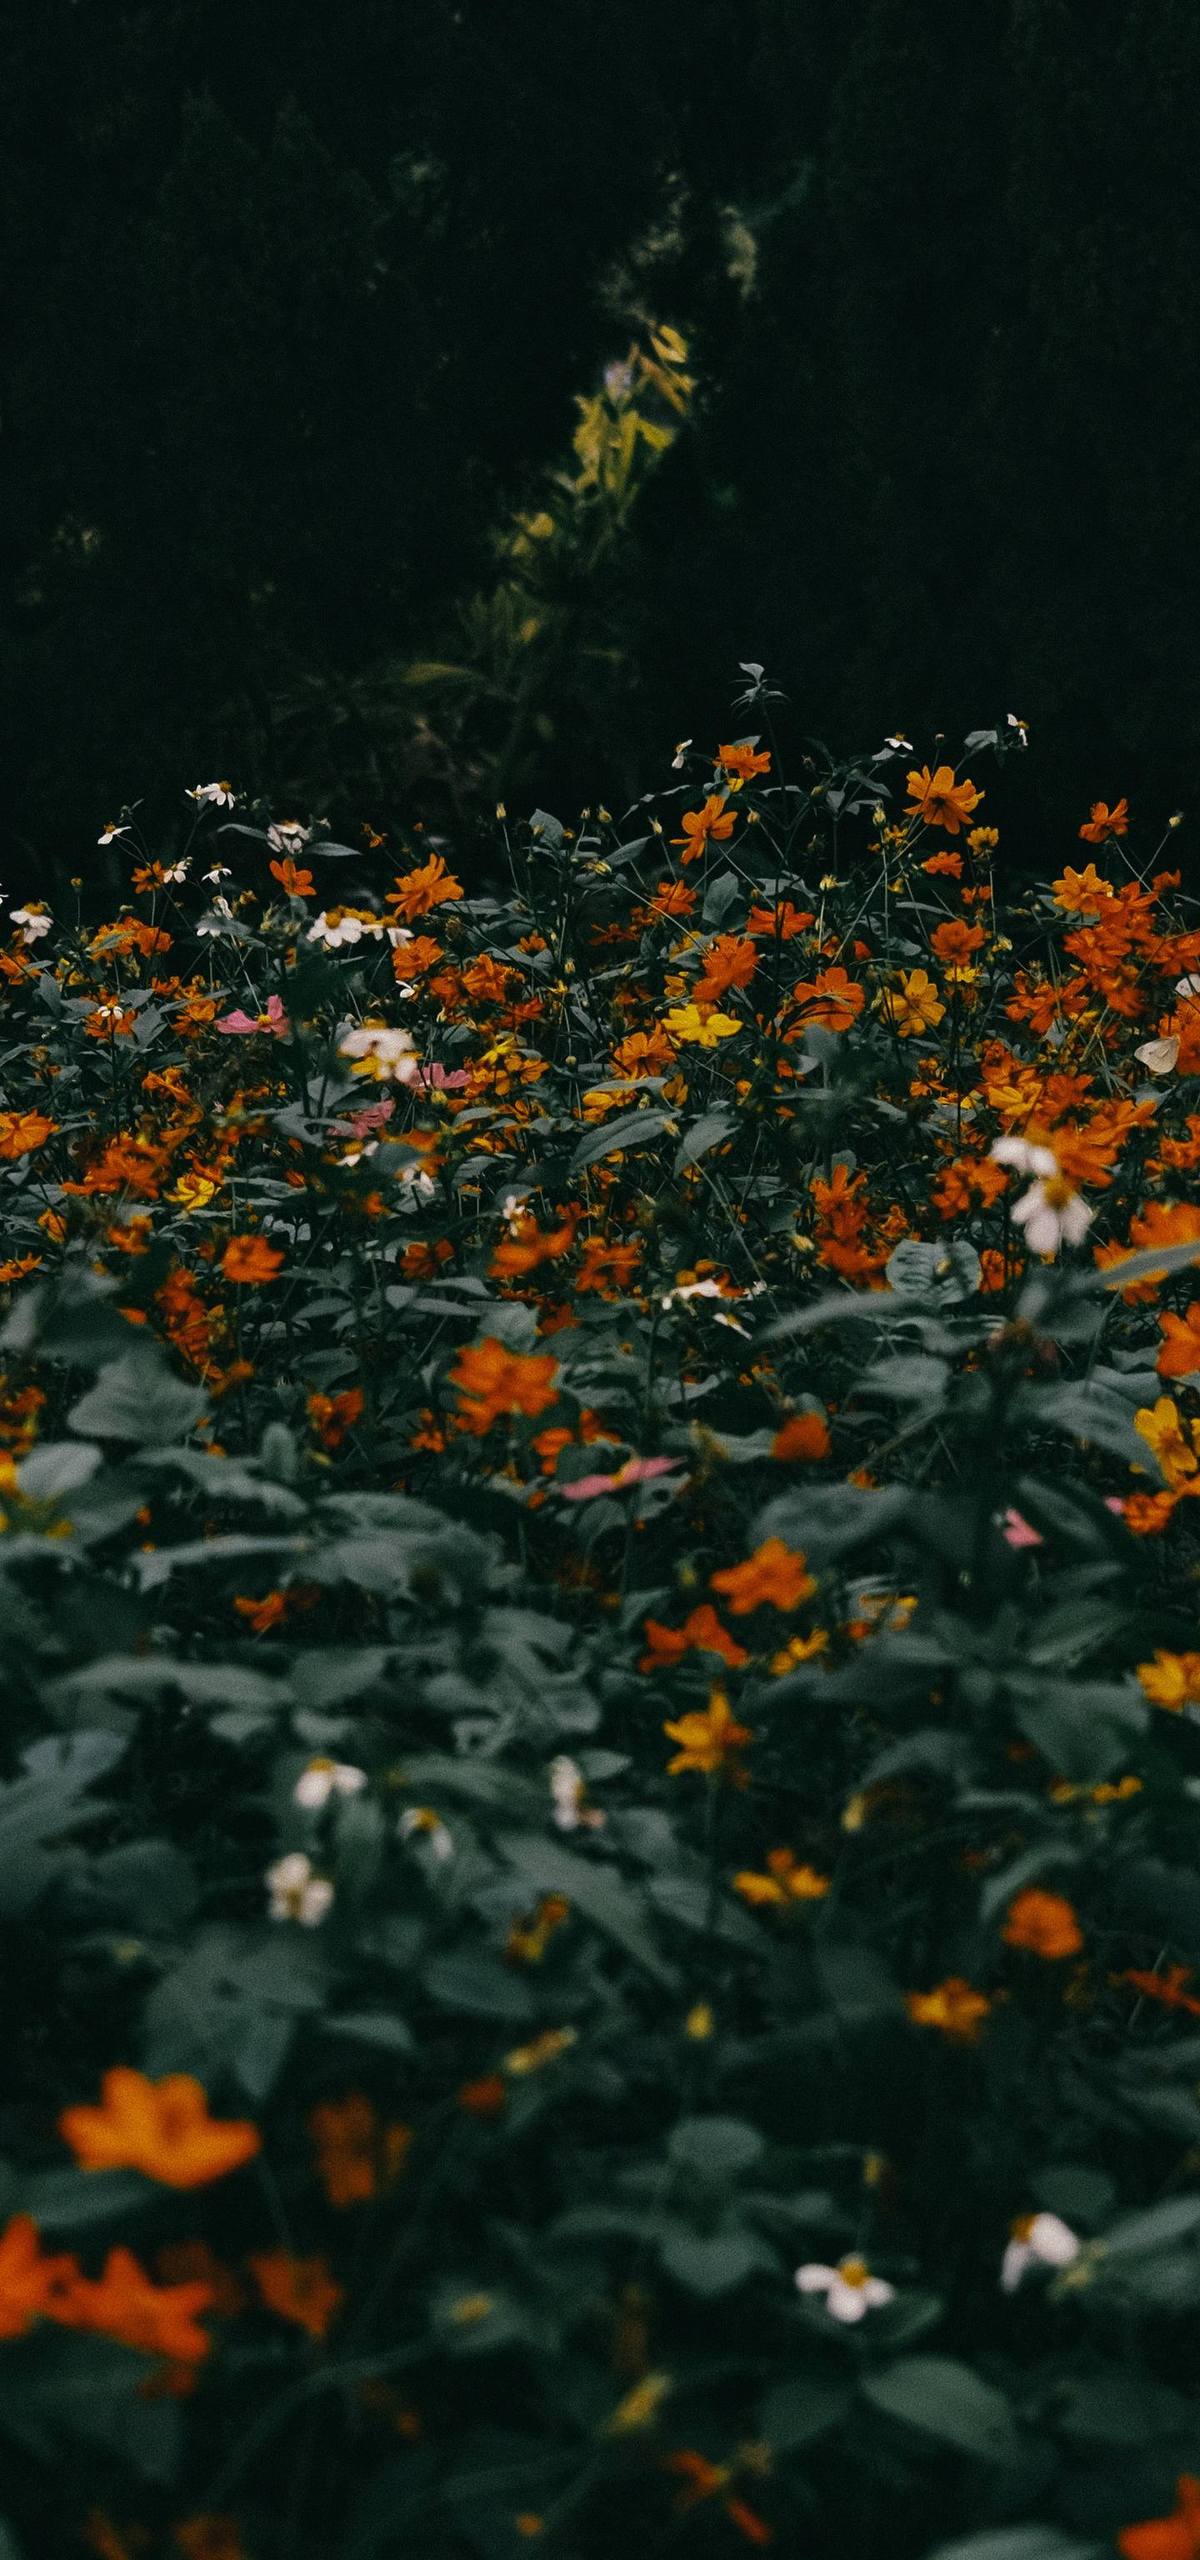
953, 2007
1169, 1438
194, 1190
710, 1740
799, 1649
912, 1006
640, 2407
547, 2047
687, 1022
784, 1881
1171, 1680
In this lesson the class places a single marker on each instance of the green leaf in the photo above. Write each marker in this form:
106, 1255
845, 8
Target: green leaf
714, 2262
714, 2147
616, 1137
1019, 2542
947, 2400
709, 1131
798, 2412
1084, 1729
137, 1399
598, 1891
951, 1271
63, 2390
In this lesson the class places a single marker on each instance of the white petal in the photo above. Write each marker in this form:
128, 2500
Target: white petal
815, 2279
1052, 2240
1017, 2257
846, 2301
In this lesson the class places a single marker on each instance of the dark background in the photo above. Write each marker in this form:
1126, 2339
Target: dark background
297, 299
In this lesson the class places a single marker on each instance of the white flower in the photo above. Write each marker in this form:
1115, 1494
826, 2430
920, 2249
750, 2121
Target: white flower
572, 1811
1037, 2240
417, 1186
1021, 727
677, 759
398, 935
1158, 1056
1187, 986
1023, 1158
288, 836
850, 2289
108, 832
338, 927
34, 920
174, 872
896, 746
324, 1778
220, 915
1052, 1214
387, 1055
692, 1289
296, 1892
221, 794
420, 1822
220, 871
356, 1155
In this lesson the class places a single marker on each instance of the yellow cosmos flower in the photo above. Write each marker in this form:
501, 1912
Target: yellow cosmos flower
912, 1006
710, 1740
1169, 1438
687, 1022
1172, 1680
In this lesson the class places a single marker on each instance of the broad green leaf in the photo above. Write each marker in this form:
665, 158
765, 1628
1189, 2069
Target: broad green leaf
942, 2398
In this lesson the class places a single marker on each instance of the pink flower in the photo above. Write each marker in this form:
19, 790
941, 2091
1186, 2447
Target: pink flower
436, 1080
634, 1471
274, 1019
1018, 1531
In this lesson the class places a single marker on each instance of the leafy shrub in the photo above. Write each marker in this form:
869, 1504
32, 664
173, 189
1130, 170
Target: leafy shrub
599, 1813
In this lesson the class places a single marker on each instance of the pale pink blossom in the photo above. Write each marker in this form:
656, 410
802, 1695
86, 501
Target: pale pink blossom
274, 1019
634, 1471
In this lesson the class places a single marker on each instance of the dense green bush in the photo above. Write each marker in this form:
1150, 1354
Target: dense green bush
599, 1809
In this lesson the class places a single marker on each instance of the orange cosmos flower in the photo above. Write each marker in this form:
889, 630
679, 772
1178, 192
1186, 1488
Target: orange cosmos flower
210, 2537
420, 891
954, 941
774, 1577
953, 2008
1105, 822
123, 2303
251, 1260
1173, 2537
162, 2128
713, 823
299, 2289
803, 1435
1081, 892
939, 801
946, 866
492, 1380
1179, 1356
831, 999
743, 761
1044, 1924
297, 882
1172, 1680
710, 1740
785, 1881
731, 962
485, 2097
30, 2285
22, 1131
701, 1632
1169, 1988
357, 2156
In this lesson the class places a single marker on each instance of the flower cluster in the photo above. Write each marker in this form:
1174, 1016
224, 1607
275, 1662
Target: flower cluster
598, 1602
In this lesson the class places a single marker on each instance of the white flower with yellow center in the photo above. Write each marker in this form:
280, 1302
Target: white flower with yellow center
324, 1778
850, 2289
1051, 1211
34, 920
1036, 2240
297, 1892
387, 1055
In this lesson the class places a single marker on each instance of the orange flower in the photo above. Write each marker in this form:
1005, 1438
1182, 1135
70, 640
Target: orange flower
1080, 892
803, 1435
299, 2289
1179, 1356
939, 801
701, 1632
785, 1881
297, 882
492, 1380
333, 1416
1173, 2537
30, 2285
710, 1741
1105, 822
160, 2320
1169, 1988
22, 1131
713, 823
743, 762
486, 2097
250, 1259
162, 2128
955, 941
774, 1577
731, 962
210, 2537
832, 1000
420, 891
357, 2156
953, 2008
946, 866
1044, 1924
1172, 1680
